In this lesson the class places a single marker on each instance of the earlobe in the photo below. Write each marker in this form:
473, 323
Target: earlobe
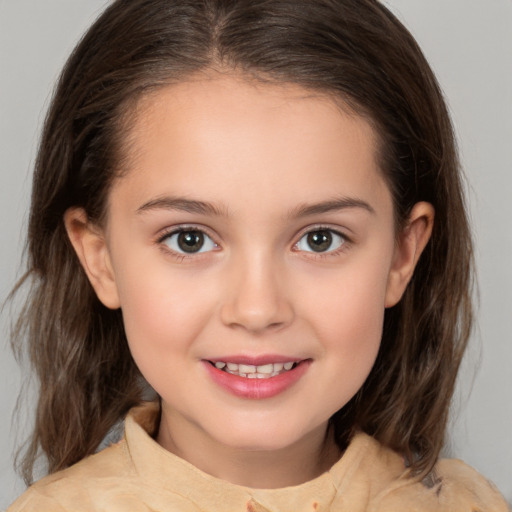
410, 245
92, 251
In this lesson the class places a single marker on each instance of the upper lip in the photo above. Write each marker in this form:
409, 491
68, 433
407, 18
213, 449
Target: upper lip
255, 360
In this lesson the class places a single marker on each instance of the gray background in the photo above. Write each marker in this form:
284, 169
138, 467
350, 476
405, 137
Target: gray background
469, 44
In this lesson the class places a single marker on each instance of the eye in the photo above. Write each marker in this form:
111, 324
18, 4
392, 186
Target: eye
320, 240
189, 241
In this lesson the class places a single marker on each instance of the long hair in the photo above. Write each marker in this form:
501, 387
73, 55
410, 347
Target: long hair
353, 50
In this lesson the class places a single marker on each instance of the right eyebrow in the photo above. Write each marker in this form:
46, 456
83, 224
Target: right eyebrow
182, 204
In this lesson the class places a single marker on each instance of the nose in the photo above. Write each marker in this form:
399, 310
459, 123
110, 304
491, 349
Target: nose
256, 298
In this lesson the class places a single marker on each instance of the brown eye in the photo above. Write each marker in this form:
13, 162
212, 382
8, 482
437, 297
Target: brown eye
189, 242
321, 240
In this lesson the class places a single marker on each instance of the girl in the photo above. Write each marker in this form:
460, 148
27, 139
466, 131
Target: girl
254, 209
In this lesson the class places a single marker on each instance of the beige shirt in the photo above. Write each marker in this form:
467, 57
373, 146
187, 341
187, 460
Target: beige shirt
137, 474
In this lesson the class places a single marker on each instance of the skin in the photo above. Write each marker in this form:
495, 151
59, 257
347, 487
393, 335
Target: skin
260, 155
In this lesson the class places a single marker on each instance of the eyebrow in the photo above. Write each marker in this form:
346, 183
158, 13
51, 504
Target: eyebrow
206, 208
182, 204
332, 205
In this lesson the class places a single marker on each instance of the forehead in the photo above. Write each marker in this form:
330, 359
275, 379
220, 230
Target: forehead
248, 136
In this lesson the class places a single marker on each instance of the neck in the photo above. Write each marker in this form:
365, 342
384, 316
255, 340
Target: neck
292, 465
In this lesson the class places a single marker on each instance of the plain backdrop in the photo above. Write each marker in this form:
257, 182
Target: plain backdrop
469, 45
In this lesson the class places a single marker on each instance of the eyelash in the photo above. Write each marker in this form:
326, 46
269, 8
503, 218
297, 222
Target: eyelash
345, 244
166, 235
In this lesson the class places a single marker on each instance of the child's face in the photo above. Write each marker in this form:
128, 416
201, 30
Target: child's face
286, 254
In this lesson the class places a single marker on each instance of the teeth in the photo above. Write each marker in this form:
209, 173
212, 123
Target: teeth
250, 371
246, 368
266, 368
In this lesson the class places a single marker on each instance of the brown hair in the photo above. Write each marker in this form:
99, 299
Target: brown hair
354, 50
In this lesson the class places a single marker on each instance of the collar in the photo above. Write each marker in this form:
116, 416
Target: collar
164, 470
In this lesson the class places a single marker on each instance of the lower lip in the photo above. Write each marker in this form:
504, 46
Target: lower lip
257, 389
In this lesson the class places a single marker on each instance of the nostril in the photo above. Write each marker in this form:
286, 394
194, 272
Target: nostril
256, 304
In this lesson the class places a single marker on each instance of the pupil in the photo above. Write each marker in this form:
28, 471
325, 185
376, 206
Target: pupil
320, 241
190, 241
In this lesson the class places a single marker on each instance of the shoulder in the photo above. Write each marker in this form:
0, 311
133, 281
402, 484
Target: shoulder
77, 483
374, 478
107, 481
453, 486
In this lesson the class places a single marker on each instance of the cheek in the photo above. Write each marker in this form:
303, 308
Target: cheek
347, 317
350, 329
352, 299
355, 334
163, 313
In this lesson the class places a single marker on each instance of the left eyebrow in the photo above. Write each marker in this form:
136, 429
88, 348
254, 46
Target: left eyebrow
331, 206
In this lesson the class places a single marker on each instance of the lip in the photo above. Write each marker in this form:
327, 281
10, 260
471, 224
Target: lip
256, 389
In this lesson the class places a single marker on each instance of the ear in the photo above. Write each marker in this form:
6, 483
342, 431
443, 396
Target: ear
411, 242
90, 246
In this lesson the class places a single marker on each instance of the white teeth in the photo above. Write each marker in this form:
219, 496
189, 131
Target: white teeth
246, 368
266, 368
250, 371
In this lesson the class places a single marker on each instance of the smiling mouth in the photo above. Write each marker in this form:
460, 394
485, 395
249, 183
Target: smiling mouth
264, 371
